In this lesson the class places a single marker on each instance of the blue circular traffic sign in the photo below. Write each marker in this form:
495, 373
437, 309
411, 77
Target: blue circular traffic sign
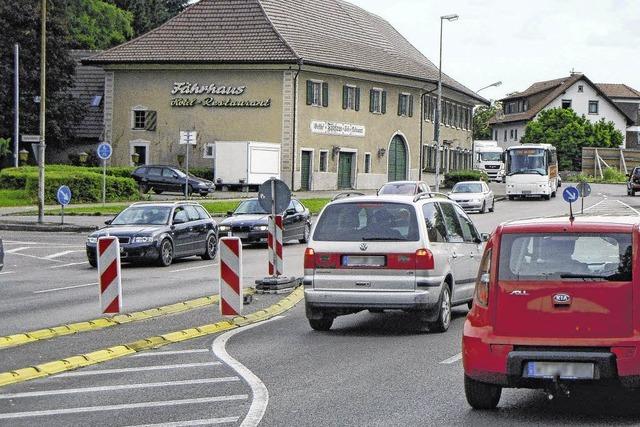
104, 151
570, 194
64, 195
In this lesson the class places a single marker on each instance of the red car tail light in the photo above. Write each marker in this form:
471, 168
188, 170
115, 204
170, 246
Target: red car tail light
483, 280
424, 260
309, 258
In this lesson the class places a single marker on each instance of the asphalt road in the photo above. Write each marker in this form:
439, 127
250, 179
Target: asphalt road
370, 369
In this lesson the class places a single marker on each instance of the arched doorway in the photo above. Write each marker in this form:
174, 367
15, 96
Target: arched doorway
397, 169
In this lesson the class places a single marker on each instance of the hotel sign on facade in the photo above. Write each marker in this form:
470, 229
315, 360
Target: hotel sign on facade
223, 98
337, 129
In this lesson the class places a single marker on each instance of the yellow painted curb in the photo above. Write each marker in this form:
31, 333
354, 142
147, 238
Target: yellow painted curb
115, 352
106, 322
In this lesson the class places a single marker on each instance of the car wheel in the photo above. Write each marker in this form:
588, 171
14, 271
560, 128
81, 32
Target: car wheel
211, 248
305, 235
166, 253
444, 314
157, 191
189, 190
144, 188
470, 304
493, 205
93, 262
481, 395
484, 207
323, 324
553, 194
203, 194
633, 193
559, 183
511, 197
545, 197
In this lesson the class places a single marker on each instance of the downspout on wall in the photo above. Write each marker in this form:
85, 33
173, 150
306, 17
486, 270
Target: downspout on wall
295, 124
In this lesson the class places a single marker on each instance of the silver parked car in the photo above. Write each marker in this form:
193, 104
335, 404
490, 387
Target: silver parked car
473, 196
415, 253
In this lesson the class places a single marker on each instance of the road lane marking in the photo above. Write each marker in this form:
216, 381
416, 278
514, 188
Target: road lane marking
51, 245
258, 389
170, 352
36, 257
597, 204
117, 387
14, 250
626, 205
137, 369
7, 272
452, 359
205, 422
44, 291
59, 254
120, 407
70, 264
192, 268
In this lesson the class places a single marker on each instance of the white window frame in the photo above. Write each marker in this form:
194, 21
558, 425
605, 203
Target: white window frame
379, 91
405, 98
351, 97
208, 145
313, 93
133, 117
326, 161
367, 163
139, 143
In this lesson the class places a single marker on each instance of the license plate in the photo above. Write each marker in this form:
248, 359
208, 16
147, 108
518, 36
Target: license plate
526, 191
241, 235
566, 370
363, 261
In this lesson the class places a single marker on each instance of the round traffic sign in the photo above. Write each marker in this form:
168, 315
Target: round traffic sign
63, 195
584, 189
570, 194
104, 151
281, 195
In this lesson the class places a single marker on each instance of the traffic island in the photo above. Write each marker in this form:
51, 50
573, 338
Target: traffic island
279, 284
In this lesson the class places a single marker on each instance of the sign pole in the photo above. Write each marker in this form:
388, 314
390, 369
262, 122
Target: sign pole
61, 214
186, 179
104, 181
273, 215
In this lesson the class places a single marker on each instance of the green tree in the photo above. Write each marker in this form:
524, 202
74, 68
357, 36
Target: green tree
149, 14
95, 24
22, 26
481, 116
568, 132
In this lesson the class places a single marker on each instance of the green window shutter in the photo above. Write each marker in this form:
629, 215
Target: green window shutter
400, 104
371, 100
151, 119
309, 92
357, 99
325, 94
410, 105
383, 102
344, 97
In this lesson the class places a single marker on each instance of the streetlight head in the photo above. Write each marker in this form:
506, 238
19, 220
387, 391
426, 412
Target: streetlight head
496, 84
452, 17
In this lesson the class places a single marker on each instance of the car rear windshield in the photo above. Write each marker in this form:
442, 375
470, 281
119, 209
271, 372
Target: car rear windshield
567, 256
367, 221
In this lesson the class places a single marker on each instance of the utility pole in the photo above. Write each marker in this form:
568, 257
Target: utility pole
16, 104
43, 87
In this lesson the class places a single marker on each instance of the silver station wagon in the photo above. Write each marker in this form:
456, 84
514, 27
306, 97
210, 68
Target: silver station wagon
413, 253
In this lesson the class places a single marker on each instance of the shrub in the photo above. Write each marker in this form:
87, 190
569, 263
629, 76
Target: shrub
85, 187
453, 177
612, 175
205, 173
15, 178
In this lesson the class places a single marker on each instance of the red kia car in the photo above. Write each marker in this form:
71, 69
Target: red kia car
556, 304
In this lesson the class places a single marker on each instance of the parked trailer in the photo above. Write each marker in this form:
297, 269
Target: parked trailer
245, 164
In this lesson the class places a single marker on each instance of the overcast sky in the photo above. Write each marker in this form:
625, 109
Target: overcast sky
521, 42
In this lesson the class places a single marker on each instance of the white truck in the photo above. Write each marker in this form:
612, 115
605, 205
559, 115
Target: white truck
245, 164
488, 157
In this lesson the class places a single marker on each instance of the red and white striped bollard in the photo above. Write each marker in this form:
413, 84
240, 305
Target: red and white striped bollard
231, 300
109, 276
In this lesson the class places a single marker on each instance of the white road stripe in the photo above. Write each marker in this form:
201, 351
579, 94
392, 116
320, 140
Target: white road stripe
117, 387
59, 254
70, 264
44, 291
14, 250
258, 389
192, 268
207, 422
36, 257
120, 407
7, 272
51, 245
138, 369
452, 359
170, 352
597, 204
626, 205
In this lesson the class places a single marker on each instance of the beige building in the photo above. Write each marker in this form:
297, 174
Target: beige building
339, 89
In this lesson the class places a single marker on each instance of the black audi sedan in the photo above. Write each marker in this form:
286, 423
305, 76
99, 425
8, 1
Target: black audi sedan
160, 232
249, 221
161, 178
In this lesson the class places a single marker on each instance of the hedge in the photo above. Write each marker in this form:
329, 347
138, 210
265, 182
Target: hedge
453, 177
15, 178
205, 173
85, 187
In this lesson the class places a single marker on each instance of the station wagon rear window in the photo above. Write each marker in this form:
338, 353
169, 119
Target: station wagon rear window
567, 256
367, 221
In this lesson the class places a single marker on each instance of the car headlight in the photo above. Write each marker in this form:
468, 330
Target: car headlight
202, 184
224, 228
92, 239
259, 228
142, 239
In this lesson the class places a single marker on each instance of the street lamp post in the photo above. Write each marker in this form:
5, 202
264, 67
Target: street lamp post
436, 131
496, 84
43, 76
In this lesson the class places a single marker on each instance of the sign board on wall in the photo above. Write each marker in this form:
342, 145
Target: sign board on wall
187, 94
338, 129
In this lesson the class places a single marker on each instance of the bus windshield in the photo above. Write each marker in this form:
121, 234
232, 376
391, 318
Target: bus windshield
527, 161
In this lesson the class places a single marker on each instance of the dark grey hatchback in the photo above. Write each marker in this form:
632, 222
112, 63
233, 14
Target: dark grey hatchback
160, 232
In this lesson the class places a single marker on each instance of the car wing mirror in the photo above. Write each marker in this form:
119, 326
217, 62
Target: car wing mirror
108, 222
179, 220
291, 211
485, 237
229, 213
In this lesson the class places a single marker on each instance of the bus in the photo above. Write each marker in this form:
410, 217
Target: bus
531, 171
